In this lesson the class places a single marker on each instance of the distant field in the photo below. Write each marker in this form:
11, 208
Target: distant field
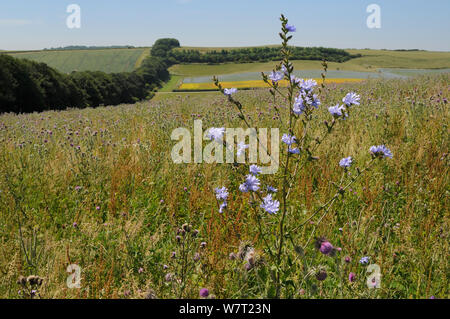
123, 60
369, 62
107, 60
248, 84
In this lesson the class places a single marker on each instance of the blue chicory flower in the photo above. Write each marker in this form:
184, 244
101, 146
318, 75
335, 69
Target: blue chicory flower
229, 91
269, 205
346, 162
288, 139
251, 183
381, 150
351, 99
255, 169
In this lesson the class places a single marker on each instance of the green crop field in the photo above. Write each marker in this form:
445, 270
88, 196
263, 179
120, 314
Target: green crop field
370, 61
106, 60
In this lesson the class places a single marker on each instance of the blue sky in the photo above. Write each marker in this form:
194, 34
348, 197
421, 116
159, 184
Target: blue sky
405, 24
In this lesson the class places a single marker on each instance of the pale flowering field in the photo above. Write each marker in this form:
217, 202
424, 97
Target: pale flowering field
97, 188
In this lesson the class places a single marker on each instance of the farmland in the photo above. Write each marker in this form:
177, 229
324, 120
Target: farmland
98, 188
291, 184
106, 60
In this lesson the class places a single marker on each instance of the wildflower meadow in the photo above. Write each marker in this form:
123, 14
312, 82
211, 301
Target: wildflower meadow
92, 205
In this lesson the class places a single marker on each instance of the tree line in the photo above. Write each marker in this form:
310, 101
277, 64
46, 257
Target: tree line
28, 86
259, 54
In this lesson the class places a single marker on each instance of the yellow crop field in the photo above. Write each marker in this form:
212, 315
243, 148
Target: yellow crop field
248, 84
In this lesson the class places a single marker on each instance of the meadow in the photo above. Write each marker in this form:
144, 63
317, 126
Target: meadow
105, 60
97, 188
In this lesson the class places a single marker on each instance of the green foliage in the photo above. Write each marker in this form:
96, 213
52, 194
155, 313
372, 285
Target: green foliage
259, 54
29, 86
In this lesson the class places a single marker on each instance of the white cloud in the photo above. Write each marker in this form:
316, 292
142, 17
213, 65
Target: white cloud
14, 22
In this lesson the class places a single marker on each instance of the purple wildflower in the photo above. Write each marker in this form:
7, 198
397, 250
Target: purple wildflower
364, 260
251, 184
351, 277
222, 207
351, 99
272, 189
269, 205
216, 133
204, 293
381, 150
336, 111
255, 169
346, 162
229, 91
221, 193
290, 28
294, 150
276, 76
307, 85
241, 147
288, 139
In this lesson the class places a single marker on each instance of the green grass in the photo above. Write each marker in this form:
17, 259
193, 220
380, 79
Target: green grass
109, 170
107, 60
174, 82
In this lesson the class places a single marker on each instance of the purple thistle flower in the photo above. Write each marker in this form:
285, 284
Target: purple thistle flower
229, 91
351, 277
326, 248
269, 205
204, 293
321, 275
346, 162
168, 277
381, 150
351, 99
